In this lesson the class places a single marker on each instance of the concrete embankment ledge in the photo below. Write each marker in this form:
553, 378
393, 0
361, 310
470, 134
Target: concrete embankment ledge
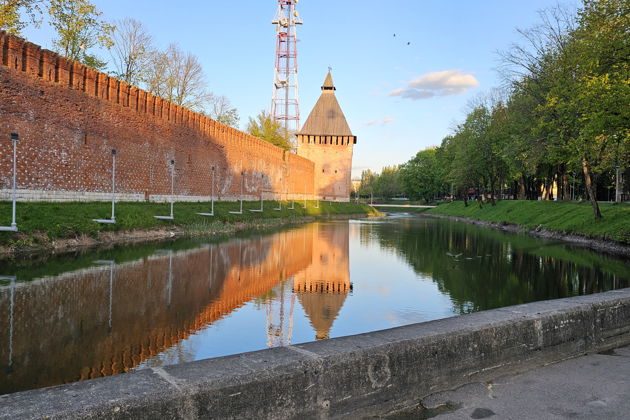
350, 376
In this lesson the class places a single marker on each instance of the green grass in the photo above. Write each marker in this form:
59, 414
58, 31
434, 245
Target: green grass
41, 221
565, 217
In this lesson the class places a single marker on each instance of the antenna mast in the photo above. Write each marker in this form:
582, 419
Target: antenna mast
285, 106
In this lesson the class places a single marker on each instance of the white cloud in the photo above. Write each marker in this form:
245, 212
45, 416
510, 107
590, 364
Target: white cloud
379, 121
439, 83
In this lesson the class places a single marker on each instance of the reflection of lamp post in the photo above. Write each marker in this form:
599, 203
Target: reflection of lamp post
111, 264
169, 285
211, 198
210, 268
618, 184
113, 219
11, 310
13, 228
171, 217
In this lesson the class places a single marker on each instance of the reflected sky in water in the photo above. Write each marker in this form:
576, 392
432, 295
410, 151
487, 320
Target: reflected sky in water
79, 317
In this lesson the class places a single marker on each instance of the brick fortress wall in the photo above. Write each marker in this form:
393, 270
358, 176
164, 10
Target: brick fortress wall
70, 116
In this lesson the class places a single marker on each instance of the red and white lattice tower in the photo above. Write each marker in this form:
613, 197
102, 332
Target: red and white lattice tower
285, 105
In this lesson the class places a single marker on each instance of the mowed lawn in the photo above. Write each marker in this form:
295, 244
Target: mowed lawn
70, 219
567, 217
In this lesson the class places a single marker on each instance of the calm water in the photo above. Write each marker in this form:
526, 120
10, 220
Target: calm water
113, 311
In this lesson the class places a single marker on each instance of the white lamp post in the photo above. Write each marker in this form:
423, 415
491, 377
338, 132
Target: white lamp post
279, 208
211, 198
113, 219
171, 217
13, 228
260, 210
241, 199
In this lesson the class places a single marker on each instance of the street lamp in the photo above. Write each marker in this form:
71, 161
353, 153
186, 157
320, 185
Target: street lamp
113, 219
260, 210
13, 228
171, 217
211, 198
241, 207
279, 208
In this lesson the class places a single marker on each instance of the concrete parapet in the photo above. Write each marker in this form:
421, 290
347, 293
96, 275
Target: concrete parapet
349, 376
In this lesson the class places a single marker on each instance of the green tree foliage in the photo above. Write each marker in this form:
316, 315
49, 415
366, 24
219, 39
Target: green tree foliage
265, 128
368, 182
421, 177
385, 185
565, 120
388, 183
79, 29
11, 11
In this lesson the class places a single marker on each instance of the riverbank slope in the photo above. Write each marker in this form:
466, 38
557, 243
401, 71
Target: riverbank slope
60, 227
569, 221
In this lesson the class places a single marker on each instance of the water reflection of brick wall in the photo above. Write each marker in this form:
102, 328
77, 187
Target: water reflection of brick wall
61, 325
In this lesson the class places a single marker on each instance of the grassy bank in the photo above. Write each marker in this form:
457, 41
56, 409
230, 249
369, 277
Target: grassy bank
45, 221
563, 217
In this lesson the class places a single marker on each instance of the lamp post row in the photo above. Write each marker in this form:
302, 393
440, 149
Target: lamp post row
13, 227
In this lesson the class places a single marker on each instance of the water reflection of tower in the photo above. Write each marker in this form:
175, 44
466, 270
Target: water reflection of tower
323, 287
277, 318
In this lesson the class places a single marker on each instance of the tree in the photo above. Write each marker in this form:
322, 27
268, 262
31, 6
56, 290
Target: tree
177, 76
388, 184
221, 110
10, 16
421, 177
130, 51
265, 128
368, 183
79, 29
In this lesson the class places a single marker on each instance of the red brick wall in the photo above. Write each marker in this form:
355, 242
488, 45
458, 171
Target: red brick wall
70, 116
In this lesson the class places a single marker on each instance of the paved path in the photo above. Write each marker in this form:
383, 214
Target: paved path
595, 386
411, 206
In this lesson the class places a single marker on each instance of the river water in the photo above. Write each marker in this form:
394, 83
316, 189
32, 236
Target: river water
101, 313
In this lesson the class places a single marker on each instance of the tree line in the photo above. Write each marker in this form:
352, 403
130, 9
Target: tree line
171, 73
562, 118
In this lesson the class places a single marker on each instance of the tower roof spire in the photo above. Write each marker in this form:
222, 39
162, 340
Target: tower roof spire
326, 118
328, 83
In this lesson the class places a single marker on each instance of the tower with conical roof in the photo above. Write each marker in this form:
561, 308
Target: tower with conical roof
326, 140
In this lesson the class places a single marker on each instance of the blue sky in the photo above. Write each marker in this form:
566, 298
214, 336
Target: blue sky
398, 98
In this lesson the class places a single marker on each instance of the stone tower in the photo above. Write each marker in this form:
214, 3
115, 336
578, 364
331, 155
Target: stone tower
326, 140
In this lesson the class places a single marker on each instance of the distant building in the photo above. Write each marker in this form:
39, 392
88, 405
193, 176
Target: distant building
326, 139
